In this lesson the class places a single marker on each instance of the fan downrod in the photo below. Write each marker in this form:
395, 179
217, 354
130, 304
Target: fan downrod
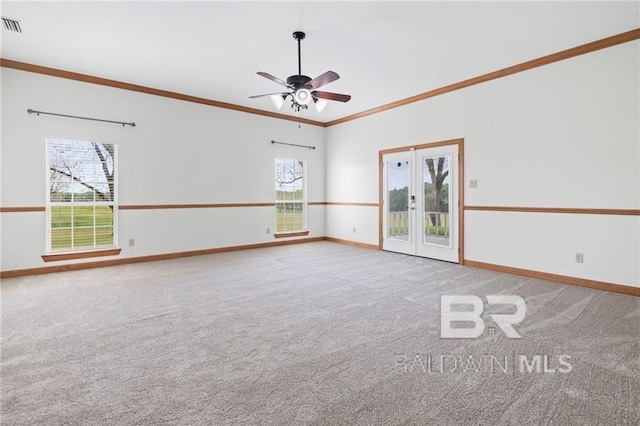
299, 35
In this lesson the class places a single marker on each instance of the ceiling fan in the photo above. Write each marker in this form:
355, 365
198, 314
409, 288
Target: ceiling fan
301, 88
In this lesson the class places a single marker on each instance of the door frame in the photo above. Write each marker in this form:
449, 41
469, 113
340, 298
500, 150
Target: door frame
460, 143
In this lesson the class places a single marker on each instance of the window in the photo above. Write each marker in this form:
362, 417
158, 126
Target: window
81, 201
290, 196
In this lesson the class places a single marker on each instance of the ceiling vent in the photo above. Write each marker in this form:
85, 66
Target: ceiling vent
11, 24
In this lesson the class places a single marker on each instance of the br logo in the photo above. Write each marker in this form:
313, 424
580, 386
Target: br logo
469, 309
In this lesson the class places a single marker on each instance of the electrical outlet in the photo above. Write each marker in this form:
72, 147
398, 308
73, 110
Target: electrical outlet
473, 183
268, 230
132, 242
354, 229
579, 258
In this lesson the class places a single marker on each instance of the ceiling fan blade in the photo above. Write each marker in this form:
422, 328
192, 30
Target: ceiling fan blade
274, 79
323, 79
268, 94
331, 96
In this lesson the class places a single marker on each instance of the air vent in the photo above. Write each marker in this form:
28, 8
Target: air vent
11, 24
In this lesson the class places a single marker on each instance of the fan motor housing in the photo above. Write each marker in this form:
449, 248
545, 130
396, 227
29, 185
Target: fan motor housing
298, 81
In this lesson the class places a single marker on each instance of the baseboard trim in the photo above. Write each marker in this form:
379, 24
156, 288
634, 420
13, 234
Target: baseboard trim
150, 258
563, 279
352, 243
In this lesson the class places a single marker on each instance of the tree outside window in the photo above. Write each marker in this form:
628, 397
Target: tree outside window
81, 205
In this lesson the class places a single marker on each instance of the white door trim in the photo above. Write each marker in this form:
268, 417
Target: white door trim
460, 194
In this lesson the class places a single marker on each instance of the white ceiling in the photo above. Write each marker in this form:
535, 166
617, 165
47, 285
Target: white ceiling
383, 51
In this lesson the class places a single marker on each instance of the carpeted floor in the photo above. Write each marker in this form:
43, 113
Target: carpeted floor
317, 333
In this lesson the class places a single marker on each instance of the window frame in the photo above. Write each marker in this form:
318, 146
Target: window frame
83, 251
304, 203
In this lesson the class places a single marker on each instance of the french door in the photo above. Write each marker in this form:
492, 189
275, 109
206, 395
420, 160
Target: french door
420, 202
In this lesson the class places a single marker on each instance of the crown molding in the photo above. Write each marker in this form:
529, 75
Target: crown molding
38, 69
524, 66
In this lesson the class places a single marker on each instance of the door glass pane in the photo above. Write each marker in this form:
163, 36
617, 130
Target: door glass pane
398, 221
436, 219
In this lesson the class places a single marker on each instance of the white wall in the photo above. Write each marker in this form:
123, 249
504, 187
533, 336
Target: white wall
563, 135
178, 153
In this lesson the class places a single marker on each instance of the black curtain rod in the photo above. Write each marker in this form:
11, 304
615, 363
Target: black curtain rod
31, 111
293, 144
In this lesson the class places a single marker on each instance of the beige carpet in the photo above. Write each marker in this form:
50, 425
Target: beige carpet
316, 333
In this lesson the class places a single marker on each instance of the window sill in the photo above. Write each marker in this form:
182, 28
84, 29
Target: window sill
80, 255
291, 234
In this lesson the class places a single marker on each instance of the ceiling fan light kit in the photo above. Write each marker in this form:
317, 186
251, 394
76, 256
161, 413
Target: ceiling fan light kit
320, 104
302, 88
302, 96
278, 100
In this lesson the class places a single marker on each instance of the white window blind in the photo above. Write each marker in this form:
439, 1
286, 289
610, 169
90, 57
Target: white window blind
81, 196
290, 196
